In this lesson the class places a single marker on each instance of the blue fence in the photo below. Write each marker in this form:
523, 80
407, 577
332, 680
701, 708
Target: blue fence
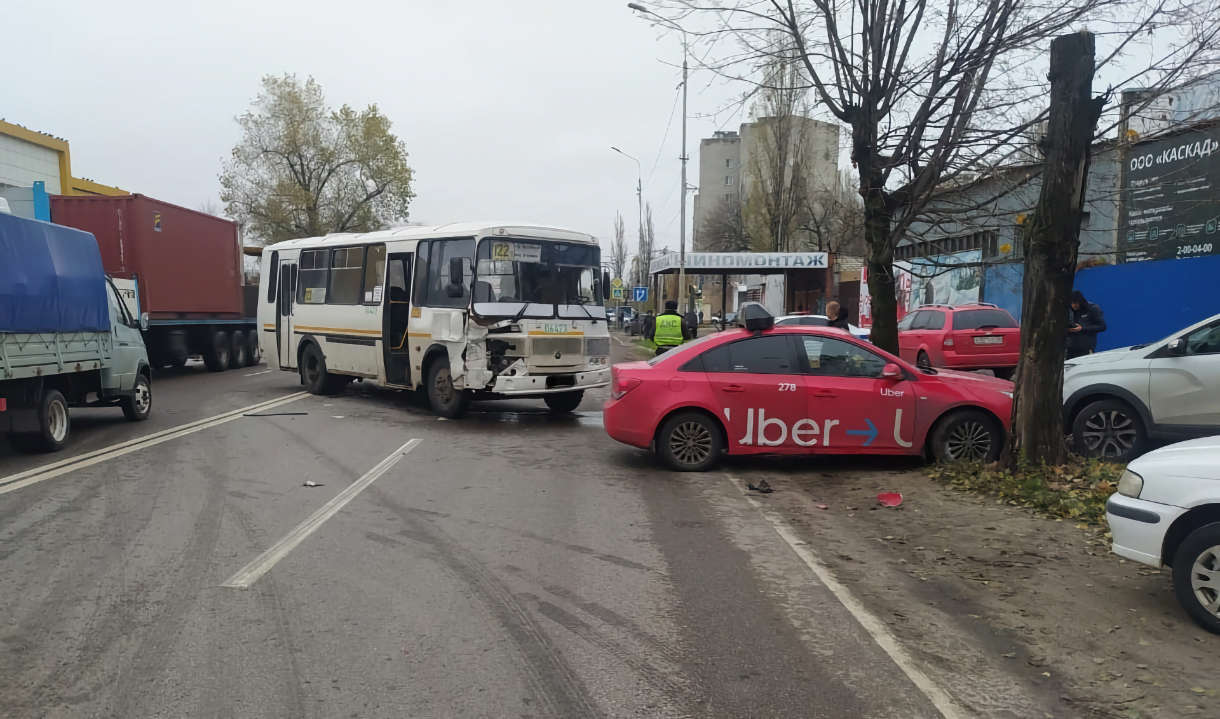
1146, 301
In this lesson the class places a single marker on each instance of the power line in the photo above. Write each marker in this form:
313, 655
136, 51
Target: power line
664, 138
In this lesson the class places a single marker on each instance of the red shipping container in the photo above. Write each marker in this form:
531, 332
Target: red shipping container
188, 263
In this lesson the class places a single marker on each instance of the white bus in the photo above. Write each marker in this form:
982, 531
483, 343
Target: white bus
464, 311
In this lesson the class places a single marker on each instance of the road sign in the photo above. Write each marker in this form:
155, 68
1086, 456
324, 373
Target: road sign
616, 293
616, 283
641, 294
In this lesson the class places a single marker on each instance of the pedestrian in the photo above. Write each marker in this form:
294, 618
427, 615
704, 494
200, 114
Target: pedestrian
1086, 320
841, 321
670, 329
648, 325
833, 310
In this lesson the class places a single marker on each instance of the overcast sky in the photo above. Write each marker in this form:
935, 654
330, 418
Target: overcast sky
508, 108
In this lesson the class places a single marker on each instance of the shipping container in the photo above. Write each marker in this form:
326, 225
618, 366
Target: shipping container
187, 269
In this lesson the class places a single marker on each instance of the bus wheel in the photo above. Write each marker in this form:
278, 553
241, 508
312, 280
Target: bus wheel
216, 355
317, 379
446, 400
565, 402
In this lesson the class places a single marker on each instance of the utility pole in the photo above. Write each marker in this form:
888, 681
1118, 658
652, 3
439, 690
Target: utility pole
682, 307
639, 185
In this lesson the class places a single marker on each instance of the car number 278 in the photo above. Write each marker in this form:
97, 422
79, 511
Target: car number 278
787, 387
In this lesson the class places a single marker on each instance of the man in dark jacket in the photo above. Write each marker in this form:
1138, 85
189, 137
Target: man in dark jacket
841, 321
1085, 322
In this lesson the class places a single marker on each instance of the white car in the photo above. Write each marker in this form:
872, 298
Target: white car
1167, 513
861, 333
1114, 401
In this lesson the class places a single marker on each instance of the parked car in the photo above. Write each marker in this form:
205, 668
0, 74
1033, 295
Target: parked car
797, 389
1167, 513
1115, 401
861, 333
962, 337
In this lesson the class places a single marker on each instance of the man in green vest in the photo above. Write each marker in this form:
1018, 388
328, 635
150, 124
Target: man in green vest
669, 331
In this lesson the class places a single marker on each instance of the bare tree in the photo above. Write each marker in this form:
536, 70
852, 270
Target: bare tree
618, 247
209, 207
833, 220
928, 89
724, 228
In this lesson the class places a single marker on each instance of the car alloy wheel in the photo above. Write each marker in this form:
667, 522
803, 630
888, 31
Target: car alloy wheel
690, 442
1205, 580
969, 440
1109, 434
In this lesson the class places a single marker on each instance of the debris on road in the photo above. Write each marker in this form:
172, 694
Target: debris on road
762, 487
311, 483
889, 499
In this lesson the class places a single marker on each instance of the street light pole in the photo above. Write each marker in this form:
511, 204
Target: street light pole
639, 184
682, 307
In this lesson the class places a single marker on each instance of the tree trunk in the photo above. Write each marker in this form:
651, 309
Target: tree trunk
1051, 239
877, 217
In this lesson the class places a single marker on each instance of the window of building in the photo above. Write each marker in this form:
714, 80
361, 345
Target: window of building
439, 280
728, 180
374, 275
728, 163
315, 270
346, 274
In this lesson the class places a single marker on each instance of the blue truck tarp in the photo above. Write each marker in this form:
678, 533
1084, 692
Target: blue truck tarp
51, 279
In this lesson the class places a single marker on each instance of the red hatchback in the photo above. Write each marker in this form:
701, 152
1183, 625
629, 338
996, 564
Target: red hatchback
965, 337
795, 389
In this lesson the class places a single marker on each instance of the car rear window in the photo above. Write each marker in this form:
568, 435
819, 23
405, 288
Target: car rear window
975, 319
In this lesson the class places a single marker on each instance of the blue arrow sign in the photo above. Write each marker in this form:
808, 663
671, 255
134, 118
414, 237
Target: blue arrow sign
640, 294
871, 432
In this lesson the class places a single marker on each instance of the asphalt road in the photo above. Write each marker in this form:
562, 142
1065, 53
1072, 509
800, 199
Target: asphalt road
511, 564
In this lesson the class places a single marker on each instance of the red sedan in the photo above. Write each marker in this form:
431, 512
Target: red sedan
795, 389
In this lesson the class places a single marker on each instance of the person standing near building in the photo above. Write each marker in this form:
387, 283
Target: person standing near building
1085, 323
670, 329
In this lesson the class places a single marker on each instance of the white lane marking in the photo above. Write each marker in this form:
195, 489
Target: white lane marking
876, 629
625, 344
38, 474
250, 573
258, 373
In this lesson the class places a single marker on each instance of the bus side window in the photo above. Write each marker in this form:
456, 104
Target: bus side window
421, 273
374, 274
398, 282
274, 276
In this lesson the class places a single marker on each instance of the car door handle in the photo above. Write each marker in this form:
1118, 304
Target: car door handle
823, 393
733, 388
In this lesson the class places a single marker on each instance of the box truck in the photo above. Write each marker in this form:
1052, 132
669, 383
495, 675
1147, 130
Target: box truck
186, 269
66, 338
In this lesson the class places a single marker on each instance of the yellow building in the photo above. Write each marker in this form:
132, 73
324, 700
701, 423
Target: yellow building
27, 157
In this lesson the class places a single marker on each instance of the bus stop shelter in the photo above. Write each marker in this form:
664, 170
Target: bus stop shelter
805, 272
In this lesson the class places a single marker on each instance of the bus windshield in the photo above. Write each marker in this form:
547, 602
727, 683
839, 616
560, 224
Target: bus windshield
511, 272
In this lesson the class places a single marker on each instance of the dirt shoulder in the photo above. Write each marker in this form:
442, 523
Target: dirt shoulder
1043, 604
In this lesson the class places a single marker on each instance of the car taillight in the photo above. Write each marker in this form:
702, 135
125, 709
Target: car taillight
623, 385
948, 342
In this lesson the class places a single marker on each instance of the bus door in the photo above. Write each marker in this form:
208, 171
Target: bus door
285, 347
395, 319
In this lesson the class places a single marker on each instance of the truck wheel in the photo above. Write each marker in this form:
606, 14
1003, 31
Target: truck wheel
138, 406
315, 375
254, 353
565, 402
53, 422
217, 355
1196, 576
237, 355
446, 400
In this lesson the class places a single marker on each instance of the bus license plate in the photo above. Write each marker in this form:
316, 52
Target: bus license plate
989, 340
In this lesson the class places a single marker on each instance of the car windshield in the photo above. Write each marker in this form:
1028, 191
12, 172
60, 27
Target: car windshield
512, 272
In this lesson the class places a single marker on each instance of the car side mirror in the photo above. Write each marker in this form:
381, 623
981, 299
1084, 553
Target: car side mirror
144, 321
605, 285
1177, 348
891, 371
